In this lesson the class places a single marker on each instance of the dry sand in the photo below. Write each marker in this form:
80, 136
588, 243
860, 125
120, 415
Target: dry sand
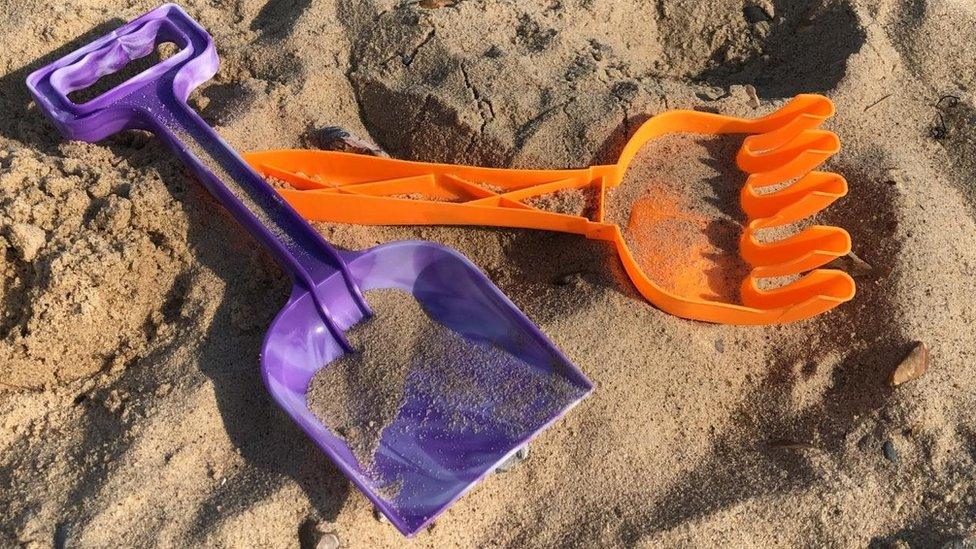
359, 394
131, 407
578, 202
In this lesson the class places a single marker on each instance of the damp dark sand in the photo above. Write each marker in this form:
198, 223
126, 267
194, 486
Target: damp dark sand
462, 384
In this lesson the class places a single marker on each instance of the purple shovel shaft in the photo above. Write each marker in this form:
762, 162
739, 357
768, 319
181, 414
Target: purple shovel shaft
248, 197
156, 101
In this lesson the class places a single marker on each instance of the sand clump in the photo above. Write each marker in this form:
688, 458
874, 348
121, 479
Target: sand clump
27, 240
279, 183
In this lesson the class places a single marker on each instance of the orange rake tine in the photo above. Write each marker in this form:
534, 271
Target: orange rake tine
821, 290
803, 251
820, 144
809, 195
782, 147
764, 143
811, 109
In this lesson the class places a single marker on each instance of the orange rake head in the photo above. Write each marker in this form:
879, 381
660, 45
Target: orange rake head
781, 151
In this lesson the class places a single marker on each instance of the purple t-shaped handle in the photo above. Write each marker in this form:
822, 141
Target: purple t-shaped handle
155, 100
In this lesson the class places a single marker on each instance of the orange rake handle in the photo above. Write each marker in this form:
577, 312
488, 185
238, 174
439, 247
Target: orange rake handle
353, 188
350, 188
357, 180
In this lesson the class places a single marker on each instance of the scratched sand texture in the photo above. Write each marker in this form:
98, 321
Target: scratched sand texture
132, 308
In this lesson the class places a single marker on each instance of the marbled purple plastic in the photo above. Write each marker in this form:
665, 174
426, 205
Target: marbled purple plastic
434, 460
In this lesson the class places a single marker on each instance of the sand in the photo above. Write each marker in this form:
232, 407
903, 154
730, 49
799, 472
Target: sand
579, 202
425, 197
359, 394
132, 411
402, 349
679, 212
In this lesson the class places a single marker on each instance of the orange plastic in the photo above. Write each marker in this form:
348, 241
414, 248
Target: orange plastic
783, 146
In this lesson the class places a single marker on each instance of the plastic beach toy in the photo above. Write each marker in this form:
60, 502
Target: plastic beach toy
779, 148
432, 461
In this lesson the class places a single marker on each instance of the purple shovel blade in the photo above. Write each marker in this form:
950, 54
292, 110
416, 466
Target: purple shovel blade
432, 460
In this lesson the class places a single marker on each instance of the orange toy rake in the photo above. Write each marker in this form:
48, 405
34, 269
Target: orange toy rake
781, 150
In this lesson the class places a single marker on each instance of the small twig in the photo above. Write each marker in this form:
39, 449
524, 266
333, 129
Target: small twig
945, 103
18, 387
953, 101
789, 444
872, 105
940, 130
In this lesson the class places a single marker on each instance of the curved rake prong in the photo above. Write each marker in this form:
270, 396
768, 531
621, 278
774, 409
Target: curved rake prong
819, 290
816, 143
810, 194
760, 144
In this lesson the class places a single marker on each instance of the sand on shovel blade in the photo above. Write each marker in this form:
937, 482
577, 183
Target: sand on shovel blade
401, 346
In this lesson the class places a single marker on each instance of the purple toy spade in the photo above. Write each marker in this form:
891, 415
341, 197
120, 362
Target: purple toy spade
432, 459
